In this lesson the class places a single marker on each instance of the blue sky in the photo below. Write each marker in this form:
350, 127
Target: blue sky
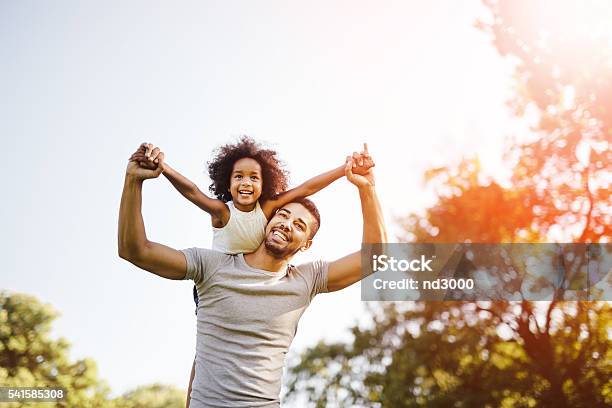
83, 83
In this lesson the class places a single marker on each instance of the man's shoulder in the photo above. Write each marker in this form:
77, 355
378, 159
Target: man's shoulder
207, 256
310, 264
315, 275
318, 265
208, 251
202, 263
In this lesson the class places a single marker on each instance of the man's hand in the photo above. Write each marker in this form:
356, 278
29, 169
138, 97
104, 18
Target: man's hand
362, 161
346, 271
358, 169
133, 244
147, 162
147, 156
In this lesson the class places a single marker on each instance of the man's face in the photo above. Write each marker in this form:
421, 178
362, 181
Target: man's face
245, 183
289, 231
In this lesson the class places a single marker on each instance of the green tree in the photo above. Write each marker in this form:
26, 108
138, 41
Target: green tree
465, 354
29, 357
155, 396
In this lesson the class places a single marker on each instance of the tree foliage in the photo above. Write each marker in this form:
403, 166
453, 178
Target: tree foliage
503, 354
30, 357
466, 354
468, 203
563, 57
155, 396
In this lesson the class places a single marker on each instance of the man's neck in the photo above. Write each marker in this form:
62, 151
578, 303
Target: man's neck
262, 259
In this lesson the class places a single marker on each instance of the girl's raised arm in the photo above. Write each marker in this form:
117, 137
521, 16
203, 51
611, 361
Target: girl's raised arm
146, 156
363, 162
216, 208
305, 189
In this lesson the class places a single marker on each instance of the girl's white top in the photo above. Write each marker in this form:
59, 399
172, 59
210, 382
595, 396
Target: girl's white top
243, 232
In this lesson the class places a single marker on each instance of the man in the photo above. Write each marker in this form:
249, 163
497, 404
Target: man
250, 303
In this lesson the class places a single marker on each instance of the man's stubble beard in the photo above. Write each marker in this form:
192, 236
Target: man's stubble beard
278, 252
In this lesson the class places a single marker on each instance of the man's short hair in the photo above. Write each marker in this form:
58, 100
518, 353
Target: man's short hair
313, 210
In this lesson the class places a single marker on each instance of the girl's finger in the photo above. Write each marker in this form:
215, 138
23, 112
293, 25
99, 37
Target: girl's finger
358, 158
366, 158
365, 147
154, 154
140, 151
348, 169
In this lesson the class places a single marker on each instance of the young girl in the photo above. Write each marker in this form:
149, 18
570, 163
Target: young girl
249, 184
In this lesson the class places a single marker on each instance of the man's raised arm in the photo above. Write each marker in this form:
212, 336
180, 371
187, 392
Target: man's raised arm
347, 270
133, 243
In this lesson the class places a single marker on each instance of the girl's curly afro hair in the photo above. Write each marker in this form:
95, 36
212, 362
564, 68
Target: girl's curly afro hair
274, 176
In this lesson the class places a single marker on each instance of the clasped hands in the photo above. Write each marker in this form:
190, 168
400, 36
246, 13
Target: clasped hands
148, 162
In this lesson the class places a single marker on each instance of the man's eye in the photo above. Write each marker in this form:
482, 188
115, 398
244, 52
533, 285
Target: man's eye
300, 227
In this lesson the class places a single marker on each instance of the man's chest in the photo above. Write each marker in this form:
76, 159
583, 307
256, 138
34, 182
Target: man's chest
260, 303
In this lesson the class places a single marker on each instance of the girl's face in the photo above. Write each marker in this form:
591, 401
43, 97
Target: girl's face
245, 183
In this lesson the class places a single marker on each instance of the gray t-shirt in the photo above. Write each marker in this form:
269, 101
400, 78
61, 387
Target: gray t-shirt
246, 321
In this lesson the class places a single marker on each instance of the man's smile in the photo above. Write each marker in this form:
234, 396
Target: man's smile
279, 233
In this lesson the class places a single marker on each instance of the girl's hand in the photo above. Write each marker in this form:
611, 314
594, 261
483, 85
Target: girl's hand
360, 180
362, 161
147, 156
139, 172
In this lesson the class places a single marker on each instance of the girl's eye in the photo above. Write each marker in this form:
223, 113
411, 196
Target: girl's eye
254, 178
238, 176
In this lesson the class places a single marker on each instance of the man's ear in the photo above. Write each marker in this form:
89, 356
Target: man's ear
306, 245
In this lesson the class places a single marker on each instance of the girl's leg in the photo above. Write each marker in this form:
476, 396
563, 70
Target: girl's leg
190, 382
